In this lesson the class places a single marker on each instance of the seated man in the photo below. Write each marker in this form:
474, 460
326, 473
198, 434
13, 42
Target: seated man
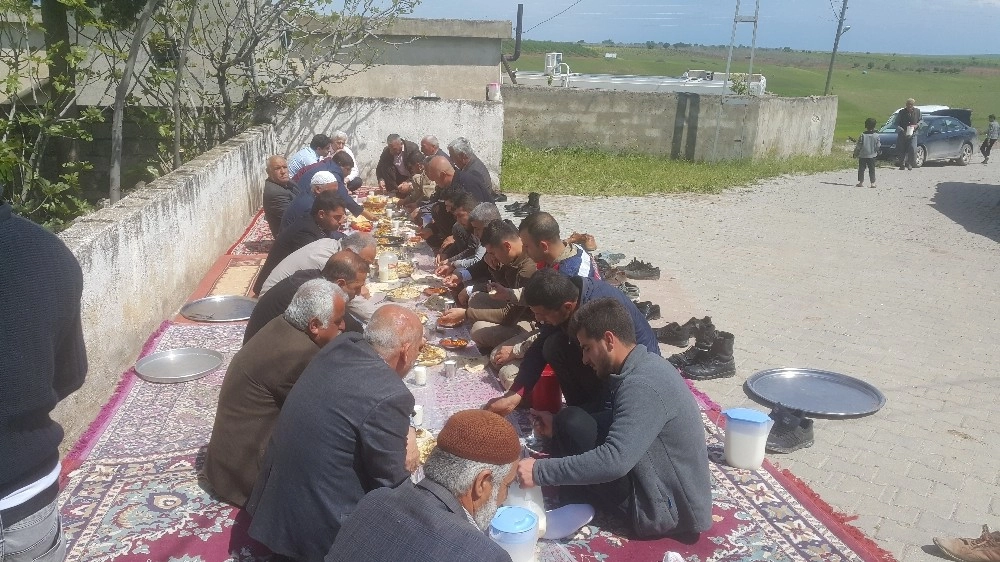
440, 170
554, 298
434, 219
323, 219
445, 516
471, 268
315, 255
345, 268
352, 179
415, 191
336, 165
472, 173
279, 190
461, 244
343, 431
643, 459
319, 148
540, 234
391, 169
257, 382
430, 147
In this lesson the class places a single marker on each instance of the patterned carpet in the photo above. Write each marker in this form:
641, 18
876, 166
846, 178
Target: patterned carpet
132, 491
257, 238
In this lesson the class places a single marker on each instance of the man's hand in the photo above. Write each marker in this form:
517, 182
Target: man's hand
502, 355
368, 215
541, 422
524, 472
444, 270
365, 293
500, 293
412, 453
462, 298
381, 184
451, 281
453, 316
503, 405
447, 242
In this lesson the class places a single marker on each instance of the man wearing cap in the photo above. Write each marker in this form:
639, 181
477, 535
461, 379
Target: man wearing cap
331, 172
324, 219
343, 431
444, 517
643, 459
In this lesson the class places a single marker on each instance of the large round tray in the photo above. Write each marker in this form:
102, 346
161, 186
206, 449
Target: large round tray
223, 308
178, 365
816, 392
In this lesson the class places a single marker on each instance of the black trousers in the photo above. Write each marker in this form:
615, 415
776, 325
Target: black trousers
576, 431
866, 163
579, 383
987, 147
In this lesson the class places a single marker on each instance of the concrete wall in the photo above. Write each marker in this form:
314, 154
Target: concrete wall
674, 124
368, 121
143, 256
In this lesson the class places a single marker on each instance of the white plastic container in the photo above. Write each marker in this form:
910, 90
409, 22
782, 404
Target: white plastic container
493, 91
515, 529
746, 437
530, 498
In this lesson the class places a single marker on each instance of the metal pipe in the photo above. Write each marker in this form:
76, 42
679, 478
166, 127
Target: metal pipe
517, 36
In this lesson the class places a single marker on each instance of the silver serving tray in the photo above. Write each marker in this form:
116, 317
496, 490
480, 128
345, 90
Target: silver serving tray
816, 392
222, 308
178, 365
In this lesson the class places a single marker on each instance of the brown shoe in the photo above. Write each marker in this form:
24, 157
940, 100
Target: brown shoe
984, 549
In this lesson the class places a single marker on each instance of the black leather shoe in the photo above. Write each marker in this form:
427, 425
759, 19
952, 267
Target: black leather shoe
676, 334
527, 209
513, 206
791, 431
637, 269
649, 310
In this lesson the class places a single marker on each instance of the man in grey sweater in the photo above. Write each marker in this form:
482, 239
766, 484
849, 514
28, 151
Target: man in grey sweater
644, 459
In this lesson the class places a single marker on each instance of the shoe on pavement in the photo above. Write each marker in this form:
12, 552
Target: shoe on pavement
649, 310
872, 186
860, 184
718, 363
986, 548
676, 334
791, 431
704, 337
637, 269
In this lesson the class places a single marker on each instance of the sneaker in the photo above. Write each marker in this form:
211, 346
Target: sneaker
872, 186
637, 269
791, 431
860, 184
984, 549
631, 291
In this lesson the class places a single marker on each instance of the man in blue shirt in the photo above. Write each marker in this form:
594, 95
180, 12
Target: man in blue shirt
320, 147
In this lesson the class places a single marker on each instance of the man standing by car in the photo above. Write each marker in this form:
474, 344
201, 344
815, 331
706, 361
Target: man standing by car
907, 121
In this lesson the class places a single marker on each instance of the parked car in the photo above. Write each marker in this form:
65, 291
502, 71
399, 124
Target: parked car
946, 137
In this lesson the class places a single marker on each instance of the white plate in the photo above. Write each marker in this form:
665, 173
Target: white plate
566, 520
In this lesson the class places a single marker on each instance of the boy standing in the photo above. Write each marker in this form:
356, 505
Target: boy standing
865, 151
992, 134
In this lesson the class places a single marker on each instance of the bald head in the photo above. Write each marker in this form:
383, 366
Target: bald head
348, 270
440, 170
395, 333
277, 169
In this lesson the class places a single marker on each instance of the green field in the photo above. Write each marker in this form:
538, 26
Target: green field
957, 81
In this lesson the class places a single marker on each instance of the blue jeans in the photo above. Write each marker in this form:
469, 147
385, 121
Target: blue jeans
36, 538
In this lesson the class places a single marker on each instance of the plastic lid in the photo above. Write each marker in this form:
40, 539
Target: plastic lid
747, 415
513, 520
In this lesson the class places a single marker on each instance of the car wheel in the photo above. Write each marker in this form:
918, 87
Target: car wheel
966, 155
919, 154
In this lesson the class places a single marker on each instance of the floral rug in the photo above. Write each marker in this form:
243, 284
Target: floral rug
257, 238
132, 491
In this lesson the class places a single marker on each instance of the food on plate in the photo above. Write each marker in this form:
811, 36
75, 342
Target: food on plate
361, 224
422, 317
404, 270
383, 229
436, 303
434, 291
430, 355
415, 240
426, 443
404, 293
375, 203
442, 323
454, 343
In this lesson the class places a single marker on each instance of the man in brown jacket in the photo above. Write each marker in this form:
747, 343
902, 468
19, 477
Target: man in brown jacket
259, 379
494, 321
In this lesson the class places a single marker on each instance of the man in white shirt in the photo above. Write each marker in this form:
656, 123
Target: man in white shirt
353, 179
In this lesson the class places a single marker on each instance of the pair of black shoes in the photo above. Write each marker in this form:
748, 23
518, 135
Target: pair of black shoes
649, 310
711, 356
791, 430
638, 269
532, 205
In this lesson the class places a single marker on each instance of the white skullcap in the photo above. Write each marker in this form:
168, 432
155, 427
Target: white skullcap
323, 177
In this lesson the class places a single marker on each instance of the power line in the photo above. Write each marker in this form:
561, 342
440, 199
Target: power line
555, 16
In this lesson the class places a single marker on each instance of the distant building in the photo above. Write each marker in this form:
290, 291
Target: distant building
610, 55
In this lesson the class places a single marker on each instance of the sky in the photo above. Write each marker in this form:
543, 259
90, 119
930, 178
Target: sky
931, 27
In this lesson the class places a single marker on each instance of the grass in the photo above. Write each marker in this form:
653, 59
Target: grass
587, 171
960, 81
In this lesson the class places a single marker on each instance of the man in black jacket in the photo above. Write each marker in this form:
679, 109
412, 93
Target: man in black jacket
907, 121
391, 169
279, 190
343, 431
43, 361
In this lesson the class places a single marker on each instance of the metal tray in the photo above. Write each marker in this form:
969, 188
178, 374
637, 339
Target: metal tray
223, 308
178, 365
816, 392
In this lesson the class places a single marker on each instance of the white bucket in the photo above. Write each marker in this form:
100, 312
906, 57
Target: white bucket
493, 91
746, 437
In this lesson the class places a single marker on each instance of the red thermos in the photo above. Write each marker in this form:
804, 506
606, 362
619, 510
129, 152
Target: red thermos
546, 395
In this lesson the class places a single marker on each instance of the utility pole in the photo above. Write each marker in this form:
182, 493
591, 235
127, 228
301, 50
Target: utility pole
836, 42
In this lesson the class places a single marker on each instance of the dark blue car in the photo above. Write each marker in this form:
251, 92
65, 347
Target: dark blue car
942, 136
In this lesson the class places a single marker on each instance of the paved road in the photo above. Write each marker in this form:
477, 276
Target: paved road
896, 285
